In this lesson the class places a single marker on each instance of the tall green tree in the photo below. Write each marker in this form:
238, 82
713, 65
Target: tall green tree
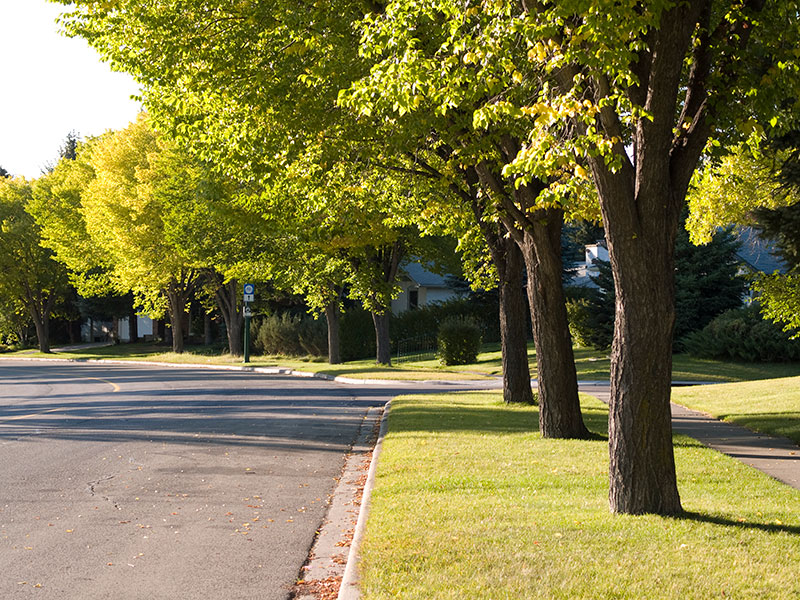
706, 284
632, 94
269, 86
29, 276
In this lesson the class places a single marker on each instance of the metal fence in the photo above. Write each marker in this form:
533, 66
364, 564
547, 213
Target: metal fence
416, 348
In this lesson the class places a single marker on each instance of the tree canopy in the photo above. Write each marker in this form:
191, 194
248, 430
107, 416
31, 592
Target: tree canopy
30, 278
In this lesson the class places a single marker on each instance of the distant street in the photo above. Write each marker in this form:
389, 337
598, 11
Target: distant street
131, 482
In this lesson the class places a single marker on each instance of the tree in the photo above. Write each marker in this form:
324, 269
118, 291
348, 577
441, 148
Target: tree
4, 173
435, 94
270, 89
756, 187
706, 285
30, 277
779, 294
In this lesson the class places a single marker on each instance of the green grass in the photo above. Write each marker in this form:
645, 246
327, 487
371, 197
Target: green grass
594, 365
771, 407
470, 502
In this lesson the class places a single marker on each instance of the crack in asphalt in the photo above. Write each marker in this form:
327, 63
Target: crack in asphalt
92, 491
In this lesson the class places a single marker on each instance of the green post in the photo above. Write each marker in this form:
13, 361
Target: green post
248, 297
247, 336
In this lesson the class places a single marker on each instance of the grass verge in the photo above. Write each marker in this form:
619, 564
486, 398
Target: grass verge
591, 365
771, 407
470, 502
363, 369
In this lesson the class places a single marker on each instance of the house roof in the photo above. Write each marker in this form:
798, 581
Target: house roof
420, 275
758, 253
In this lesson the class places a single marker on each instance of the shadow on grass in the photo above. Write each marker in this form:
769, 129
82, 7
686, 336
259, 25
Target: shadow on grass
458, 416
739, 524
784, 423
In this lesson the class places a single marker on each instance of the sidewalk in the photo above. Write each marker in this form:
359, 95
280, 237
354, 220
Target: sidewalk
777, 457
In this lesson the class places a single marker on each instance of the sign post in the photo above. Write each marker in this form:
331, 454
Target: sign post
249, 296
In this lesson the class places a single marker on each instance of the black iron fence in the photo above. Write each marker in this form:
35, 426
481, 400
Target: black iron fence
422, 347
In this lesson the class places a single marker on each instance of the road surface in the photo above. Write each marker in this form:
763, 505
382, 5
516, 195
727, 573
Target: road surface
134, 482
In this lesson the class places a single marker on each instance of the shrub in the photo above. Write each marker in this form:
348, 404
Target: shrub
742, 334
290, 335
579, 315
423, 321
356, 335
459, 341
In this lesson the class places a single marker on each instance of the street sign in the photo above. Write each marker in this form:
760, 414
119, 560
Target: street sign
248, 312
249, 292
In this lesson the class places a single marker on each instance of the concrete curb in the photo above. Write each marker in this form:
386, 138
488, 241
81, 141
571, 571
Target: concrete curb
349, 589
265, 370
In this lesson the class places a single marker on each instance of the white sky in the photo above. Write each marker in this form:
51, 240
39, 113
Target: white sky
51, 85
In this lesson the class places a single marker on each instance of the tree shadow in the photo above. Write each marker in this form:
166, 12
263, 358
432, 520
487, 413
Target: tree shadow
500, 419
738, 524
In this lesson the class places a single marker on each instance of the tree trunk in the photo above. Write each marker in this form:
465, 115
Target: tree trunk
559, 407
513, 325
508, 261
642, 464
42, 325
384, 350
207, 338
227, 297
133, 327
332, 317
177, 309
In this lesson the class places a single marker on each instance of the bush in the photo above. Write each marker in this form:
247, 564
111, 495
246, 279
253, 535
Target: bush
459, 341
742, 334
423, 321
579, 316
356, 335
290, 335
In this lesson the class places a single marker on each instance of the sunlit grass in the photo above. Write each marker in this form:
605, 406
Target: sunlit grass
470, 502
771, 407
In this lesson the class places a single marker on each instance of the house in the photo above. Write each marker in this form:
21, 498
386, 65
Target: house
103, 331
755, 255
583, 272
421, 286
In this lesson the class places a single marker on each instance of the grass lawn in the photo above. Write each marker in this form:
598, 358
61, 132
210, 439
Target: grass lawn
593, 365
470, 502
771, 407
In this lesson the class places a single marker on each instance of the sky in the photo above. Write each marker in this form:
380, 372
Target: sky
51, 85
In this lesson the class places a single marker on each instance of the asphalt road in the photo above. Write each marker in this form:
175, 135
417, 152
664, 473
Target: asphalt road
132, 482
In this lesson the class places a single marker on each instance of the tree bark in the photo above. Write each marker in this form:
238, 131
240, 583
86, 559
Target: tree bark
133, 327
538, 234
177, 309
39, 306
508, 261
513, 324
559, 406
642, 465
384, 350
227, 298
332, 318
42, 325
207, 338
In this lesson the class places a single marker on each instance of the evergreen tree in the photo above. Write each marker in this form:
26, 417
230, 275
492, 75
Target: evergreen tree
706, 285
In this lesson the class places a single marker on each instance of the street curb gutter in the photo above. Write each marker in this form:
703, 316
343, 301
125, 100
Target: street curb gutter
265, 370
349, 589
